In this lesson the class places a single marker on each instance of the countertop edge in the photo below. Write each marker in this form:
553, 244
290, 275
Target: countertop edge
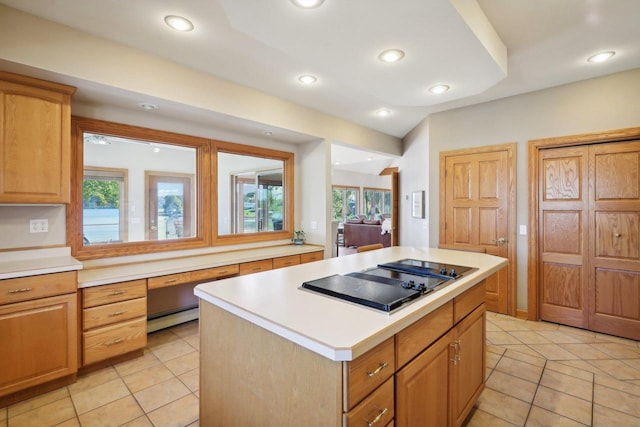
419, 310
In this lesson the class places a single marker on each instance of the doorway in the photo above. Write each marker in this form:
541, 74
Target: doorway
477, 212
584, 267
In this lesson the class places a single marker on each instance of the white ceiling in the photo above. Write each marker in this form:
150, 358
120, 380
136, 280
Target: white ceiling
484, 49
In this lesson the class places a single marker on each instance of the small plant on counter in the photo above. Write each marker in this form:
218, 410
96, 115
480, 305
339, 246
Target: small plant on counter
298, 237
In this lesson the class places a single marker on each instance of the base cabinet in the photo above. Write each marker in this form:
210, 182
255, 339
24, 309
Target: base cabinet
114, 320
441, 385
397, 383
39, 336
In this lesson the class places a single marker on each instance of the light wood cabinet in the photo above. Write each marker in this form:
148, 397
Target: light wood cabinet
440, 386
255, 266
114, 320
35, 140
431, 373
39, 333
311, 256
286, 261
193, 276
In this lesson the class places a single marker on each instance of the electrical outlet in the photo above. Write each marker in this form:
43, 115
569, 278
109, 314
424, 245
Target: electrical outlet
39, 226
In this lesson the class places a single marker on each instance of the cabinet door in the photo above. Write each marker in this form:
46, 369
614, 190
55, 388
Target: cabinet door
35, 137
467, 375
39, 342
422, 387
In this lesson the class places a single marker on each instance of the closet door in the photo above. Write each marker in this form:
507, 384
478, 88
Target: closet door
563, 235
614, 297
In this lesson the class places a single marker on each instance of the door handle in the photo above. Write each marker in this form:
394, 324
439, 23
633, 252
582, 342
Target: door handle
501, 241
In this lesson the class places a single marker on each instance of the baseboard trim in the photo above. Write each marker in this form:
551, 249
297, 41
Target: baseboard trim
172, 320
522, 314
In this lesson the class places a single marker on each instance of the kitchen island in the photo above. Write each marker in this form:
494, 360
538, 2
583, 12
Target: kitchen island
274, 354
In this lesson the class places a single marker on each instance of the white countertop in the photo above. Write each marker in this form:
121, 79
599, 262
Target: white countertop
37, 261
333, 328
106, 271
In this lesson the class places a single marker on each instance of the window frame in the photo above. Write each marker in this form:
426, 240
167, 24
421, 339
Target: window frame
384, 192
358, 190
79, 125
120, 174
287, 159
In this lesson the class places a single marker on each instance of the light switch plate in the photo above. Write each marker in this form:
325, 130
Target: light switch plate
523, 230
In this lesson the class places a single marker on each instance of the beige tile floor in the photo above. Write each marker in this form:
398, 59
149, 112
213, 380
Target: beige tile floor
543, 374
538, 374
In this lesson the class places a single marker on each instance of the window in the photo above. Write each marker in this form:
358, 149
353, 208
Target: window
254, 193
104, 191
137, 190
377, 202
169, 206
345, 203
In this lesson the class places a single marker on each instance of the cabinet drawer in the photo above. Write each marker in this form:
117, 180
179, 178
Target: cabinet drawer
421, 334
466, 302
107, 294
368, 371
311, 256
375, 410
112, 313
114, 340
255, 266
286, 261
193, 276
32, 287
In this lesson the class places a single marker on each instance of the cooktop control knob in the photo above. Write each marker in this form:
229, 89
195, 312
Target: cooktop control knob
453, 273
443, 270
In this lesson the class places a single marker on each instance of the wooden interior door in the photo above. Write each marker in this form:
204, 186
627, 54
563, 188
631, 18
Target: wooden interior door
563, 234
395, 194
477, 202
614, 297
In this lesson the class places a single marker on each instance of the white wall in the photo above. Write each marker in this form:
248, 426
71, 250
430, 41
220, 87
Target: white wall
313, 193
611, 102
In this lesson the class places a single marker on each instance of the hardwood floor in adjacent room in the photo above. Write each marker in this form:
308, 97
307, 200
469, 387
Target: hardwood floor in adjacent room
538, 374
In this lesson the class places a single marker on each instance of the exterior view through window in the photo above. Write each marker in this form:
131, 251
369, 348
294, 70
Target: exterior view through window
377, 202
135, 191
345, 203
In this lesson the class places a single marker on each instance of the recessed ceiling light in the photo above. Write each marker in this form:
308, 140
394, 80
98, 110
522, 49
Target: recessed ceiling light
178, 23
307, 79
267, 133
391, 55
601, 57
156, 150
439, 89
148, 106
369, 158
383, 112
307, 4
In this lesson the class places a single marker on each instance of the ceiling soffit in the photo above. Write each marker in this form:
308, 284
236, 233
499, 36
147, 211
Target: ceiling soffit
444, 44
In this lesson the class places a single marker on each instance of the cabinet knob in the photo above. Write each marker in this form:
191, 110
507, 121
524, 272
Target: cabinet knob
617, 234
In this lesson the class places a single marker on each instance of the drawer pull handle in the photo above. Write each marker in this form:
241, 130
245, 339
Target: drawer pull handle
222, 272
116, 341
171, 281
21, 290
114, 293
378, 369
257, 269
117, 313
378, 417
456, 348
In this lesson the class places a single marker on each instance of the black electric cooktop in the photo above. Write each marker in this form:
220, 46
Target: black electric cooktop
389, 286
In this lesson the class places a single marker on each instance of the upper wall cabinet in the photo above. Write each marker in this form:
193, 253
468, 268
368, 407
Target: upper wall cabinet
35, 123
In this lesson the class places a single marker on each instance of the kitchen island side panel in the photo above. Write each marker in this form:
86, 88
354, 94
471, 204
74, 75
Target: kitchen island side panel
250, 376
